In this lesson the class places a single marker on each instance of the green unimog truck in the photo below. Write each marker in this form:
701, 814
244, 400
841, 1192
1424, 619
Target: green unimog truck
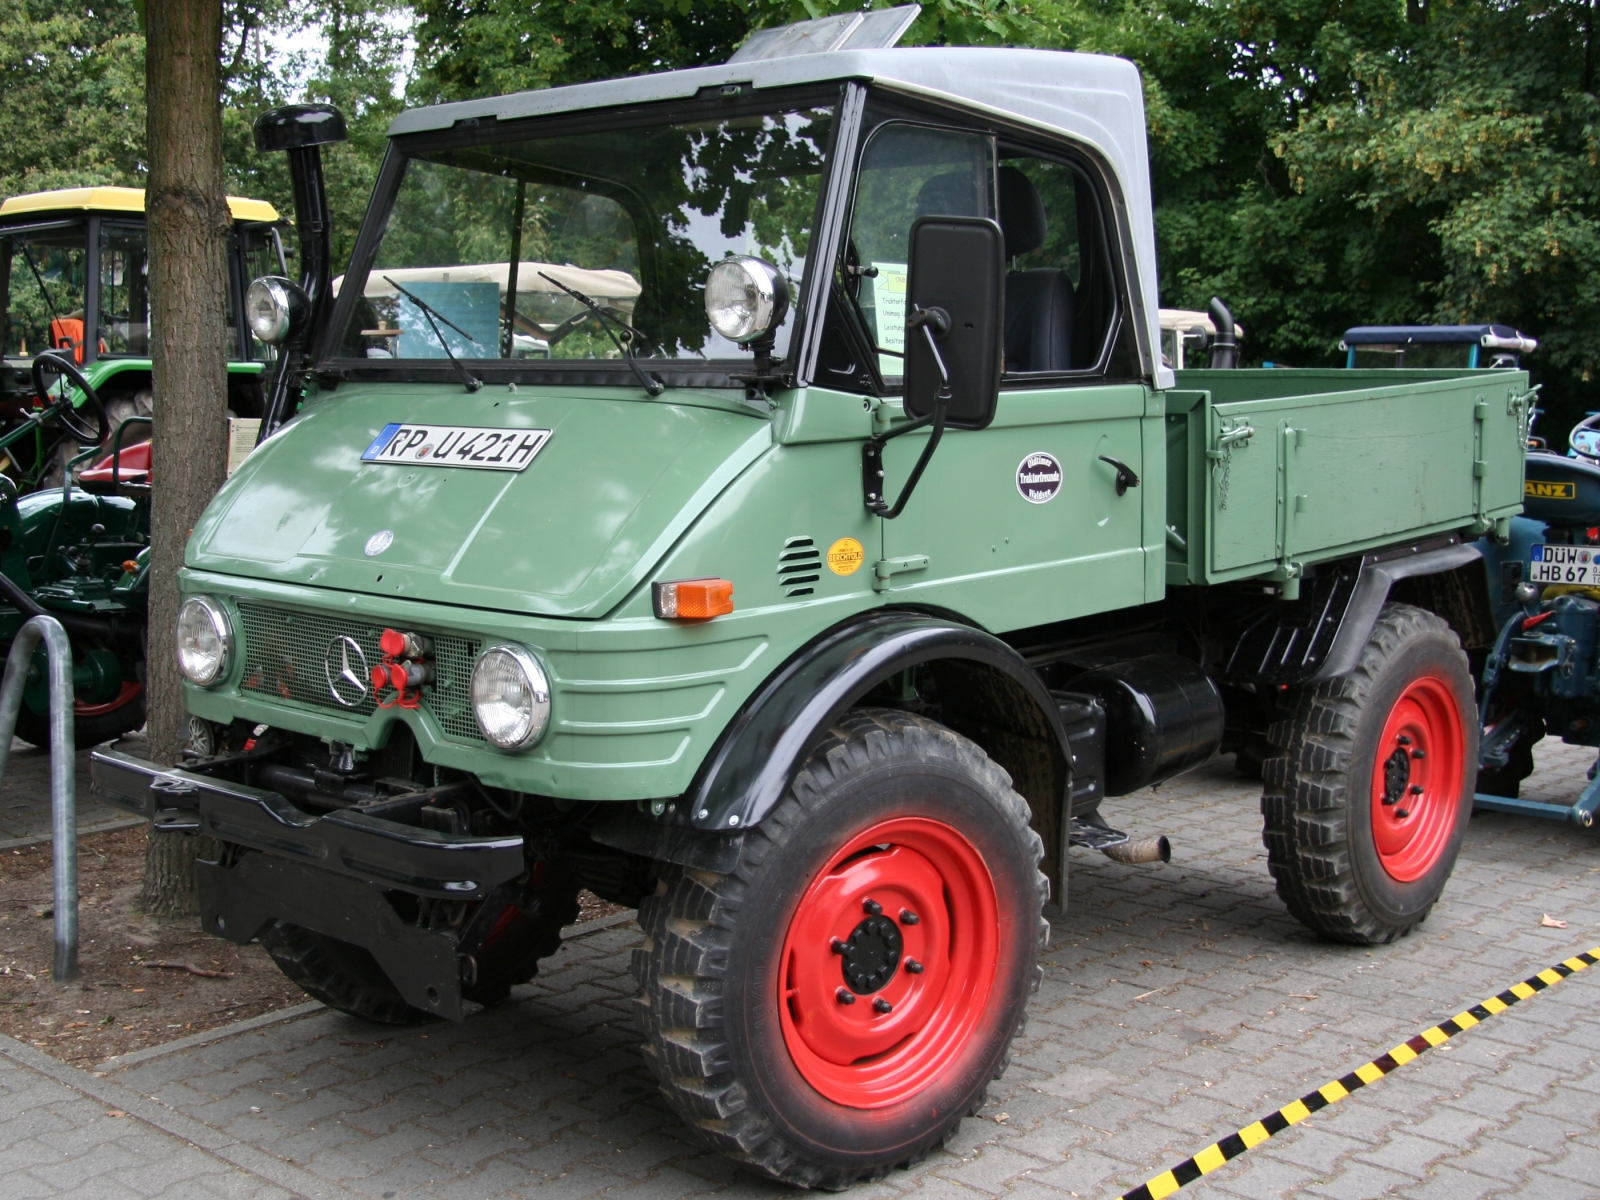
752, 493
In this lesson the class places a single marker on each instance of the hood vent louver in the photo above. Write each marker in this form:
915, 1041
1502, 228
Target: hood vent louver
799, 566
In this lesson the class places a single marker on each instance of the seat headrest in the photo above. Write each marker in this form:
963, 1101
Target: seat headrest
953, 194
1022, 218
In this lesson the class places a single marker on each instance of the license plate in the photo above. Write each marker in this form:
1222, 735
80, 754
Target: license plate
456, 446
1565, 564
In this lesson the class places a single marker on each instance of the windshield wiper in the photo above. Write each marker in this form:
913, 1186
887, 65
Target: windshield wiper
650, 383
468, 380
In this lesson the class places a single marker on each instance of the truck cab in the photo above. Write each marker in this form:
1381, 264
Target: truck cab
754, 493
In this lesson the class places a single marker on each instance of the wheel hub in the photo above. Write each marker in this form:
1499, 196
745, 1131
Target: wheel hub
870, 954
1416, 783
907, 910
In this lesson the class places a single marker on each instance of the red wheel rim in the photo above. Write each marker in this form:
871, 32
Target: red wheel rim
127, 695
1416, 780
934, 890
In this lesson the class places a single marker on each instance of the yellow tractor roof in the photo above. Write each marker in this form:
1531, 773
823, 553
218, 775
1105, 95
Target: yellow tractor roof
119, 200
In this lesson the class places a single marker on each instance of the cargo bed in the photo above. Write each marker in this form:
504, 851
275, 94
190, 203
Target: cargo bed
1269, 471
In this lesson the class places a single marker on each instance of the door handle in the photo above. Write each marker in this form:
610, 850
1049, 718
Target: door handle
1125, 477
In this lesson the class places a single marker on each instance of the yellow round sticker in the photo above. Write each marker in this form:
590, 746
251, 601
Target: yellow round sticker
845, 556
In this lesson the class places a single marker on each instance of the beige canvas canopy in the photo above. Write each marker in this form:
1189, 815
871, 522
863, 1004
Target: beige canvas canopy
614, 286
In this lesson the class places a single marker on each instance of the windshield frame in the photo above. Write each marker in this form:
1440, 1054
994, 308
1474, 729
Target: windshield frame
687, 372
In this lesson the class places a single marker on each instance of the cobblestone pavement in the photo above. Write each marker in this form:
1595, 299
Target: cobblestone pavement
25, 800
1180, 1002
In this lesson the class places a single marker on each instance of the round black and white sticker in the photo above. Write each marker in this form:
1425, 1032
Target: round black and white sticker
1039, 477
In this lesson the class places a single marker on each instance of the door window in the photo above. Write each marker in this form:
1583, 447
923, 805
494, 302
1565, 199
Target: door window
907, 171
1062, 299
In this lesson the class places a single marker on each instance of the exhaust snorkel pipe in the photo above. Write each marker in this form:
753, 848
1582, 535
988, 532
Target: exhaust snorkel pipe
1224, 346
301, 130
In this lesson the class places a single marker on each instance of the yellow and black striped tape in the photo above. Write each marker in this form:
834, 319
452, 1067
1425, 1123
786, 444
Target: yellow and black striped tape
1235, 1144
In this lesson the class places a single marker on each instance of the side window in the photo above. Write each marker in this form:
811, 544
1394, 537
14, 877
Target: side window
1062, 305
907, 171
125, 291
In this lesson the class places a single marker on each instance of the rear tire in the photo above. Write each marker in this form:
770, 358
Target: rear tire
1367, 800
903, 842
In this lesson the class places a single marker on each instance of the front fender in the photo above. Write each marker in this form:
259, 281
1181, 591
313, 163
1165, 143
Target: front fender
765, 746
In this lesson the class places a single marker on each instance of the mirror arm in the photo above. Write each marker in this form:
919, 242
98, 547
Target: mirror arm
872, 453
872, 460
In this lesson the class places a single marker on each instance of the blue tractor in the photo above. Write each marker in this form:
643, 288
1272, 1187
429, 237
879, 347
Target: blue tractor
1541, 676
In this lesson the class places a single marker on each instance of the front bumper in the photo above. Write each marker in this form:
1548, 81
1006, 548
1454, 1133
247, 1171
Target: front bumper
329, 874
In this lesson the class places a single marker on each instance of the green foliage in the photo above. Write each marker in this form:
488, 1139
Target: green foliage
1317, 163
73, 81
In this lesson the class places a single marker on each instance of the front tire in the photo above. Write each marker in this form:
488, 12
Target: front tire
834, 1006
1368, 798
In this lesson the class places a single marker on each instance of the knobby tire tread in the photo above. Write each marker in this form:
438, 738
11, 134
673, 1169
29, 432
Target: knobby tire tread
689, 925
1307, 784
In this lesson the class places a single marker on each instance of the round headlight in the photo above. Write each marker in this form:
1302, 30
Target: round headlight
510, 696
205, 641
745, 298
273, 306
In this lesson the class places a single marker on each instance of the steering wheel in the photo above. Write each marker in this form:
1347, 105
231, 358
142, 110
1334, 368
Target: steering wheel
75, 420
1585, 438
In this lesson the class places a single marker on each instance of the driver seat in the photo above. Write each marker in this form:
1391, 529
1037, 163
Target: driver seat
1040, 301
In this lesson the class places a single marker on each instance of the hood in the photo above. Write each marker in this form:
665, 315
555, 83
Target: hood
617, 482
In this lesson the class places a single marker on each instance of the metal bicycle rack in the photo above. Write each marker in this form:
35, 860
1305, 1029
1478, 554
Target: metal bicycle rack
63, 783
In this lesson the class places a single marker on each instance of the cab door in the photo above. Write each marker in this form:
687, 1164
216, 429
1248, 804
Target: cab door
1041, 516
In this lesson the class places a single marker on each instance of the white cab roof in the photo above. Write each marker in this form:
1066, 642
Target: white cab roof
1093, 99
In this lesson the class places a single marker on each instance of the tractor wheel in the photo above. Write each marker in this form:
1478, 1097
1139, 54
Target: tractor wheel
1367, 799
349, 979
837, 1003
91, 723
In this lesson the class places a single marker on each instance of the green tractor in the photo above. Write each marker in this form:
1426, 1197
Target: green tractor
74, 443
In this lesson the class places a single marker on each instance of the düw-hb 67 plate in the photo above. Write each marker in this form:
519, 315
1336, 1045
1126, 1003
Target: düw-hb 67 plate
456, 446
1565, 564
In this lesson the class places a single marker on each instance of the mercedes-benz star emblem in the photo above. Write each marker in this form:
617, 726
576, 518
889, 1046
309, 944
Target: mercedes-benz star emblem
345, 667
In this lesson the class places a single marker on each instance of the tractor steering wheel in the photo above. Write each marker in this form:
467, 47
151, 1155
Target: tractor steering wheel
1586, 447
76, 421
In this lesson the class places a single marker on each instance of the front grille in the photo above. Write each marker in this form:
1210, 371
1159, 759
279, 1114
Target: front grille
283, 658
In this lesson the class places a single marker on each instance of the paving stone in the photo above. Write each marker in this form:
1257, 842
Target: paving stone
1157, 982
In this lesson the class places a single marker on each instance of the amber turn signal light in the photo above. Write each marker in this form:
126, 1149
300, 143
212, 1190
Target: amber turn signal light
692, 599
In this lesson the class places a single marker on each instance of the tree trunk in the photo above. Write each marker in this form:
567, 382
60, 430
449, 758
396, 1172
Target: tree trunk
189, 224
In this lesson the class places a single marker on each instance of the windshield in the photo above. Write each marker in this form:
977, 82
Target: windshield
485, 245
45, 275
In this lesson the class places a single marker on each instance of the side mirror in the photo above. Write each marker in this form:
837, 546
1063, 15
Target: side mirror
956, 277
955, 310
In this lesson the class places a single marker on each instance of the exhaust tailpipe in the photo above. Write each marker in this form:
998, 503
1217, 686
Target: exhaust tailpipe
1156, 849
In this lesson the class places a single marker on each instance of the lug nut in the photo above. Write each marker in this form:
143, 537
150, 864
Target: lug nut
837, 946
1416, 789
845, 996
907, 917
872, 908
1402, 813
1419, 754
1403, 740
882, 1005
913, 967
